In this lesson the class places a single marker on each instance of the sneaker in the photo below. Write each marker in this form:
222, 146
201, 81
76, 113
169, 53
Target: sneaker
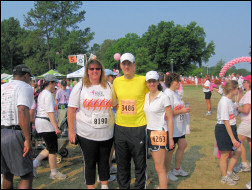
228, 180
241, 168
58, 175
180, 172
113, 170
104, 187
35, 172
209, 113
234, 177
112, 178
248, 185
171, 176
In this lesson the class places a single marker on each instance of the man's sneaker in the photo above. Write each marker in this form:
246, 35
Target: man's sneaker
228, 180
113, 170
171, 176
241, 168
112, 178
35, 172
180, 172
234, 177
248, 185
58, 175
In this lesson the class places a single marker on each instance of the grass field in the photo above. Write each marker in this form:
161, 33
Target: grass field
198, 158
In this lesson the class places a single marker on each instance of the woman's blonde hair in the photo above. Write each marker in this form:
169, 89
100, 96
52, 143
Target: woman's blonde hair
230, 85
86, 80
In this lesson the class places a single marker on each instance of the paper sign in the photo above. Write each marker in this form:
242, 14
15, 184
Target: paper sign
80, 60
72, 58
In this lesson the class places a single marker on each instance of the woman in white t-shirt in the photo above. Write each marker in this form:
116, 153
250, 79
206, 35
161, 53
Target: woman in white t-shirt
226, 133
244, 129
172, 82
91, 121
47, 127
159, 140
208, 94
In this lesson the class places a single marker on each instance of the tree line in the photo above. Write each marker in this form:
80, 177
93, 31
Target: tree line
51, 33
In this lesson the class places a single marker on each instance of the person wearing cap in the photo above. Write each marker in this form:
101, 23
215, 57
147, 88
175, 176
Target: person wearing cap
16, 154
110, 75
244, 129
62, 98
159, 140
172, 81
91, 121
47, 127
130, 128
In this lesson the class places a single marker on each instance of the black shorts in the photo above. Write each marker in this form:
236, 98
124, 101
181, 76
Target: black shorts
208, 95
51, 141
224, 142
176, 139
156, 147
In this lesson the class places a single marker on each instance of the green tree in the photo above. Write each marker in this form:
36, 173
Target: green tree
11, 50
130, 43
218, 67
100, 50
185, 45
56, 23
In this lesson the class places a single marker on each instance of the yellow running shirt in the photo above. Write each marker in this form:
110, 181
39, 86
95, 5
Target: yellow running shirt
130, 94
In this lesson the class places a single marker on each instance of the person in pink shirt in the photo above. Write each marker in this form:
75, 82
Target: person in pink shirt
244, 130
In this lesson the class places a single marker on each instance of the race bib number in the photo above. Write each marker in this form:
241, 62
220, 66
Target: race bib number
158, 138
100, 120
180, 118
128, 107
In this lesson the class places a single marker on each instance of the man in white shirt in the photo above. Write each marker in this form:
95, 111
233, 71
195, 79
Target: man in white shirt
16, 100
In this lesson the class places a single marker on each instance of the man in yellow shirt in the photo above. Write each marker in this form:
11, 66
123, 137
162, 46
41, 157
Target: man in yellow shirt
130, 129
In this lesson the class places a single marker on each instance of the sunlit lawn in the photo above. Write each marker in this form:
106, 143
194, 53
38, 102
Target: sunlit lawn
198, 158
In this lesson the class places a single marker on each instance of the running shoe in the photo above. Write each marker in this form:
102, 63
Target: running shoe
112, 178
234, 177
35, 172
113, 170
208, 113
58, 175
228, 180
180, 172
248, 185
171, 176
241, 168
104, 187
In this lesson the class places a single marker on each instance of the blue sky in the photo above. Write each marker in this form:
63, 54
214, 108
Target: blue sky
227, 23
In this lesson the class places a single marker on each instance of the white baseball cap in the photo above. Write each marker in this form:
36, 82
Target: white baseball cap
152, 75
128, 57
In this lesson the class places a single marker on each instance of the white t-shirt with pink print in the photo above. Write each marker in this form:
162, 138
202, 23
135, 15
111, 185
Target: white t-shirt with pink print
246, 99
46, 103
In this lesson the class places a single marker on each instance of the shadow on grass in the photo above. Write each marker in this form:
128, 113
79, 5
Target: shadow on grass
191, 156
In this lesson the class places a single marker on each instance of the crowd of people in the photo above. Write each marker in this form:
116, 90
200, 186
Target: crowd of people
127, 115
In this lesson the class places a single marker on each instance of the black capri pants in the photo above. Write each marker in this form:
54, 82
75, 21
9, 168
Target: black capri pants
51, 141
95, 152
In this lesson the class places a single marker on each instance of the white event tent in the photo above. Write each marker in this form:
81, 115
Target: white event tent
77, 74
